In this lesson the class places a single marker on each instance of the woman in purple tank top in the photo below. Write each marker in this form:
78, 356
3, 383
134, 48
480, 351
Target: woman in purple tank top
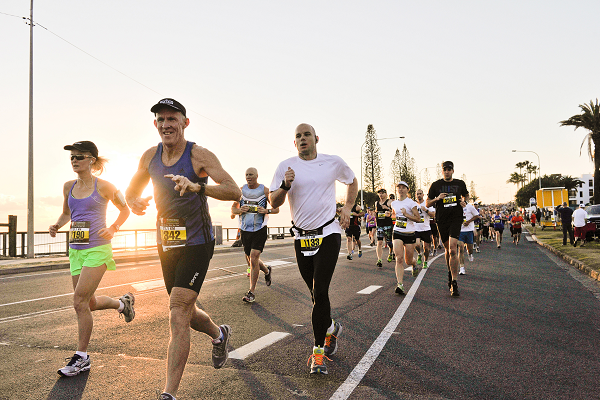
90, 251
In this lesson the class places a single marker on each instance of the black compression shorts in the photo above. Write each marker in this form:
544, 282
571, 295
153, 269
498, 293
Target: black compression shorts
186, 266
254, 240
449, 228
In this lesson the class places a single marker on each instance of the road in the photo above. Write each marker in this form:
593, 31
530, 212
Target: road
526, 326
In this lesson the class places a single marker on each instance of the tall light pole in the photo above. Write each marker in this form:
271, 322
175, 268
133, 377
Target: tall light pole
30, 228
539, 165
362, 205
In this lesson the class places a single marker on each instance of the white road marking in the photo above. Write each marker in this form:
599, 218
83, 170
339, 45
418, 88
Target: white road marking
369, 289
346, 389
529, 239
148, 285
277, 262
256, 345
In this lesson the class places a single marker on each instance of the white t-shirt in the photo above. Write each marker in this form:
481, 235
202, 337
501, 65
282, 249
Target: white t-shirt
424, 226
312, 196
468, 212
403, 224
579, 217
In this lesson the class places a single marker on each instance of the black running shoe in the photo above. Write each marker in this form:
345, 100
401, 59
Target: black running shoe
454, 289
379, 264
268, 277
449, 279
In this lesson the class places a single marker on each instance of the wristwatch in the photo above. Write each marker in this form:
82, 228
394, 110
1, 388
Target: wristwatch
268, 211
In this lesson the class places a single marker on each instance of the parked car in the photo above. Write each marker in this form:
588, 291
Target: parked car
594, 217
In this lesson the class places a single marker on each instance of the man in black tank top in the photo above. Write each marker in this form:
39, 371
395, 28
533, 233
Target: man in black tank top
353, 231
383, 212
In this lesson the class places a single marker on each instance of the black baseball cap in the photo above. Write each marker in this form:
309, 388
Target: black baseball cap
448, 164
382, 190
171, 103
84, 145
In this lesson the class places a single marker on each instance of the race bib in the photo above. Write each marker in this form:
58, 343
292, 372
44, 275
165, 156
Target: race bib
79, 233
381, 215
401, 223
252, 206
172, 233
450, 201
310, 243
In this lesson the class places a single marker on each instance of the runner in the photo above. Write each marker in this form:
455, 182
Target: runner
470, 215
478, 228
435, 234
353, 232
384, 225
407, 215
371, 226
308, 180
516, 222
179, 171
253, 211
449, 195
533, 219
90, 253
498, 223
423, 231
486, 226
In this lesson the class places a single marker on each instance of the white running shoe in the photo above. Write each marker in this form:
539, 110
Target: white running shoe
471, 257
462, 271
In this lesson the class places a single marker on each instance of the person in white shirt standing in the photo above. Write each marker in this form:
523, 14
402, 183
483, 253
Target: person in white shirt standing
407, 215
470, 214
580, 218
308, 182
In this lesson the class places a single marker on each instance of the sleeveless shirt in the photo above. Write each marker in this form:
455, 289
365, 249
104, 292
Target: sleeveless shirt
92, 210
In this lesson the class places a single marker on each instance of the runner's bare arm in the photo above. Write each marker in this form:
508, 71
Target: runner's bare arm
66, 213
138, 184
273, 210
430, 202
277, 197
109, 191
206, 163
351, 193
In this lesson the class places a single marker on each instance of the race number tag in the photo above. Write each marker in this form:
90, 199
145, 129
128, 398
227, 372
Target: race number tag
401, 222
310, 243
79, 233
381, 215
450, 201
252, 206
172, 233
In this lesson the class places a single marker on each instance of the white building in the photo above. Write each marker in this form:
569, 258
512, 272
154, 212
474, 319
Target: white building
584, 193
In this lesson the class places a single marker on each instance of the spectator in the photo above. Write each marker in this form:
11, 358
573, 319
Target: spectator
566, 217
580, 218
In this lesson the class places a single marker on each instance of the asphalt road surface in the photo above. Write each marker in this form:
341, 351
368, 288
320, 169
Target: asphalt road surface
526, 326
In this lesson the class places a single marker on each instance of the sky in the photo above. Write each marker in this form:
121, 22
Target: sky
466, 81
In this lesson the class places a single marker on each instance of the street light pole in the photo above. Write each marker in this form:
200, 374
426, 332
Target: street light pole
539, 165
362, 205
30, 227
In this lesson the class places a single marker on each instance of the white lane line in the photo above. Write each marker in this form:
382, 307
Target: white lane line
148, 285
277, 262
346, 389
369, 289
256, 345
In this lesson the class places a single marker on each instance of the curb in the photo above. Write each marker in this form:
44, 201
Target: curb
570, 260
124, 258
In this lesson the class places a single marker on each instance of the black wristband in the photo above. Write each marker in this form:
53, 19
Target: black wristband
202, 189
286, 188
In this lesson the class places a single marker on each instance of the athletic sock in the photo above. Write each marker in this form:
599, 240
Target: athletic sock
82, 354
331, 328
121, 306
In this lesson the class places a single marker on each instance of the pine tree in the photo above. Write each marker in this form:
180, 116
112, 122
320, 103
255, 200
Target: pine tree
372, 160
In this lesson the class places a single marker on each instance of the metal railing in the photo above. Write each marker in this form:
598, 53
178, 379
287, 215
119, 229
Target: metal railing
136, 239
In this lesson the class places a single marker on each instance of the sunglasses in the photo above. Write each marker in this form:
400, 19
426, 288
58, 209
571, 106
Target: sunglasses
79, 157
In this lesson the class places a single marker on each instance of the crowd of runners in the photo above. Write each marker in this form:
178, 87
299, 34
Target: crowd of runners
409, 231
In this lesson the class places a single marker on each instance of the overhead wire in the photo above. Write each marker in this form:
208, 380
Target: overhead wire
141, 84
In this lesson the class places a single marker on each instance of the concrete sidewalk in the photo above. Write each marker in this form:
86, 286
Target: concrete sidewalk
20, 265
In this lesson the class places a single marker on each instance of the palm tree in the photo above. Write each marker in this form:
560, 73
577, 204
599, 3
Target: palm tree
531, 169
516, 178
590, 119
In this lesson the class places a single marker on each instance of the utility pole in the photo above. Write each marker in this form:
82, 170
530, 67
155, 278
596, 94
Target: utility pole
30, 229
